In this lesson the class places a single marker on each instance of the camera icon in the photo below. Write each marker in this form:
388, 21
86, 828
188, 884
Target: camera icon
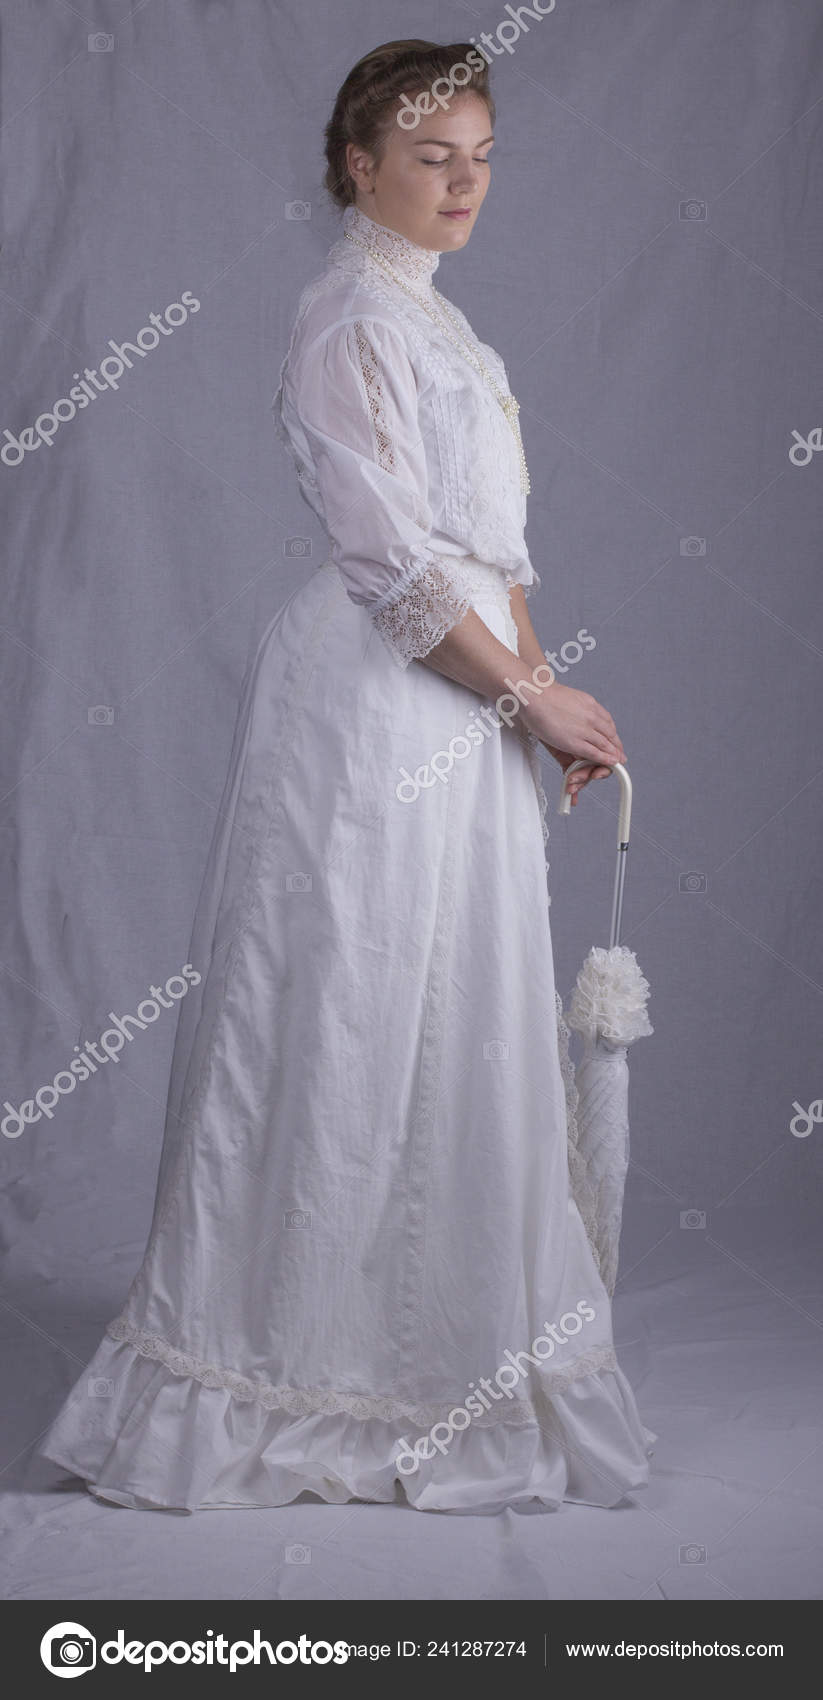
100, 1387
297, 546
496, 1049
298, 1554
68, 1649
298, 209
692, 882
693, 209
692, 1218
100, 715
101, 43
691, 1555
297, 1219
693, 546
298, 882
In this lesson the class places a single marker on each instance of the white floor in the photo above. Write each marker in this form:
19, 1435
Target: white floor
726, 1361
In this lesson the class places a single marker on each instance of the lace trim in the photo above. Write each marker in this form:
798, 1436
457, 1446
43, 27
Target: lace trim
416, 263
302, 1401
420, 611
419, 618
374, 395
583, 1192
610, 997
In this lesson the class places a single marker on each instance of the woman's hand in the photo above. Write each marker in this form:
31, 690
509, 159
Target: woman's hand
581, 775
574, 726
570, 723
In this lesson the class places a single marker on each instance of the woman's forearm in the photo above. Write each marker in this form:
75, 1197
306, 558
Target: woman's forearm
567, 721
472, 655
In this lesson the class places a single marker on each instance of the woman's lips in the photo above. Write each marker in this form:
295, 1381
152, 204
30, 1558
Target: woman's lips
462, 212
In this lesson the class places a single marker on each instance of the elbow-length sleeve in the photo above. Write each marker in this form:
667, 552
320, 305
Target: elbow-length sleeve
357, 400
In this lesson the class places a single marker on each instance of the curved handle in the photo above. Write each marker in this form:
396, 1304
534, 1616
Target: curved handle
625, 814
623, 824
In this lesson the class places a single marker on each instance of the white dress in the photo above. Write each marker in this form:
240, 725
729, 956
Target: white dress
366, 1265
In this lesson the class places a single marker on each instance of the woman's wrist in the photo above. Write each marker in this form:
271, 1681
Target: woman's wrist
530, 687
471, 654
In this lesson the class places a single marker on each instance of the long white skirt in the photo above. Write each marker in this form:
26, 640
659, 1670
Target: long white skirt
365, 1265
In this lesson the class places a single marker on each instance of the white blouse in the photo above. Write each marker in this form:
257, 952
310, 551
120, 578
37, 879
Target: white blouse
402, 449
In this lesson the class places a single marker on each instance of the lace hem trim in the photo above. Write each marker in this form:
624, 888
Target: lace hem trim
305, 1401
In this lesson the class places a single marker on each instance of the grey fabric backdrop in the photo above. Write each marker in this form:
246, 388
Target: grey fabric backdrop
648, 262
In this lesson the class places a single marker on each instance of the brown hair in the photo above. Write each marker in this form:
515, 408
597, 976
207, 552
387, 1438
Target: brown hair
364, 108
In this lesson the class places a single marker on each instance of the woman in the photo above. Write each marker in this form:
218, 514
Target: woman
364, 1266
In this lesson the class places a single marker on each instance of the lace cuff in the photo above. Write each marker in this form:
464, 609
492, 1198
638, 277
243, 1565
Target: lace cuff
421, 613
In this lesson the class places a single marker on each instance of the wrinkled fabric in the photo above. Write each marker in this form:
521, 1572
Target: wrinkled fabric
363, 1203
400, 443
362, 1220
236, 1454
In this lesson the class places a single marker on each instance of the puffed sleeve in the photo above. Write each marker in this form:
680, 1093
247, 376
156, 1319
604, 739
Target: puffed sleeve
356, 396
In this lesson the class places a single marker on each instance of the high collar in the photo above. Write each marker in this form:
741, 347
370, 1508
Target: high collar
416, 264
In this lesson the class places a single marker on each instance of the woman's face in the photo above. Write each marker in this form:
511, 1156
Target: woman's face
427, 173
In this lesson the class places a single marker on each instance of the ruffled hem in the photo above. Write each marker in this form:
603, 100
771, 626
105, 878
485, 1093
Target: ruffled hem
143, 1437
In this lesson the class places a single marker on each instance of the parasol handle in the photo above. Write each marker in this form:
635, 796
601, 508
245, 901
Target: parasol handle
623, 826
